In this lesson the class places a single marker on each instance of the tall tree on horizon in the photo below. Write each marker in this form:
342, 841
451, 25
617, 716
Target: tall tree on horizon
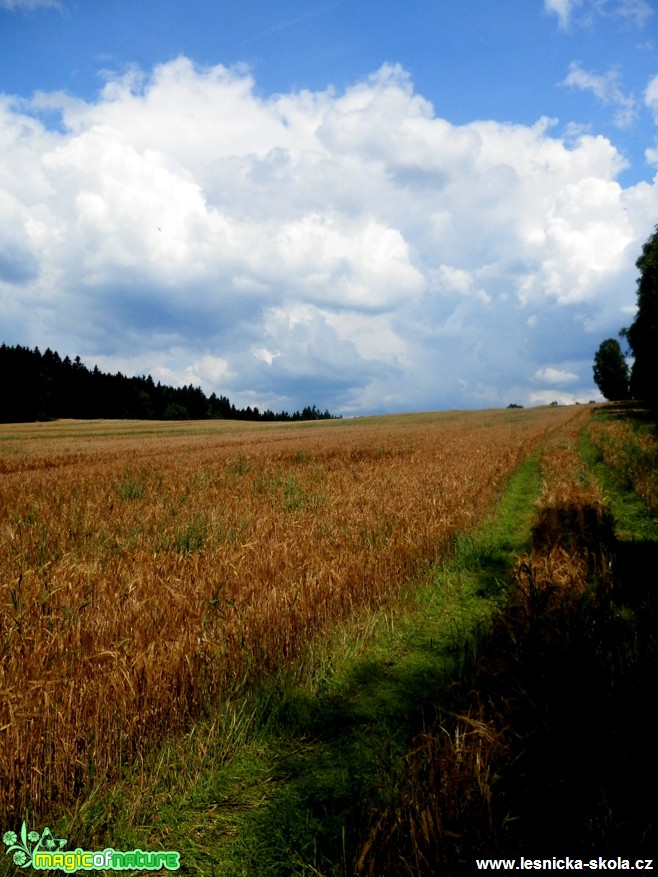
611, 371
642, 334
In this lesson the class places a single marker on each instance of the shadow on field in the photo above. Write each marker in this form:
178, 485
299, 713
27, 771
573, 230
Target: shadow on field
636, 572
342, 753
631, 410
545, 747
582, 777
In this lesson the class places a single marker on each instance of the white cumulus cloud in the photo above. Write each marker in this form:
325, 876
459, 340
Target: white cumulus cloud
555, 376
347, 248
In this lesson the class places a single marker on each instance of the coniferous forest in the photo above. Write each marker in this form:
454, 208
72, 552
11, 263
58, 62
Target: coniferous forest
43, 386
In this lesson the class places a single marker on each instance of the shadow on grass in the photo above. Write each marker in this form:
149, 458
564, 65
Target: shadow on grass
341, 753
575, 685
634, 411
583, 777
546, 747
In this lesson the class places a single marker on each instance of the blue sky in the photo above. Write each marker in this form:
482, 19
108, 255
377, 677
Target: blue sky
369, 207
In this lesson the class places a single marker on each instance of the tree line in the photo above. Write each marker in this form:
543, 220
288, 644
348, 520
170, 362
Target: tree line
43, 386
611, 373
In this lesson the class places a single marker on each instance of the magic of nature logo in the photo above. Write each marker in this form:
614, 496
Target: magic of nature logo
42, 851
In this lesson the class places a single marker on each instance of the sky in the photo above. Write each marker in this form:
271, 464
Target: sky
370, 207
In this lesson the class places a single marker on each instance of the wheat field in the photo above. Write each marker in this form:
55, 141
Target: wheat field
149, 570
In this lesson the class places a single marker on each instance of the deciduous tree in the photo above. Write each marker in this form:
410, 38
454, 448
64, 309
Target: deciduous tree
611, 370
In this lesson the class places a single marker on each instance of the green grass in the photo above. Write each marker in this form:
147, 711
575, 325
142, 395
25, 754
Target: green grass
634, 521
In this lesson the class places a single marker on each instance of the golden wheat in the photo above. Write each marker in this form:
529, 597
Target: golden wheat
148, 570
